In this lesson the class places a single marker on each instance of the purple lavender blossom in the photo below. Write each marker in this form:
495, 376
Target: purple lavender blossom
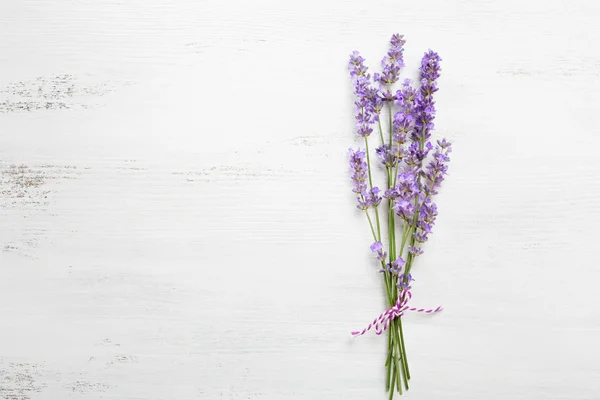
415, 251
363, 202
416, 155
391, 65
365, 114
402, 124
359, 170
356, 65
369, 103
404, 281
428, 212
404, 120
430, 66
438, 166
404, 194
407, 185
395, 267
444, 144
426, 220
364, 92
358, 166
373, 104
374, 197
398, 152
391, 194
425, 105
363, 129
385, 155
377, 248
406, 96
404, 209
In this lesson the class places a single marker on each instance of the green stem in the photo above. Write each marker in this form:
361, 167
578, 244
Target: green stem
391, 222
390, 358
392, 234
378, 239
410, 258
368, 162
398, 357
371, 225
392, 386
407, 229
400, 373
404, 360
391, 122
388, 362
396, 326
378, 224
380, 130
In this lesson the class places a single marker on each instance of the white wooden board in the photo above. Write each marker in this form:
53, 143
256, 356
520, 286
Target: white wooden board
176, 220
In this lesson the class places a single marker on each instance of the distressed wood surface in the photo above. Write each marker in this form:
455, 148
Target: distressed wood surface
176, 219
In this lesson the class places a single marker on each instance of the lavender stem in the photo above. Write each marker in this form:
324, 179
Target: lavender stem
371, 187
380, 130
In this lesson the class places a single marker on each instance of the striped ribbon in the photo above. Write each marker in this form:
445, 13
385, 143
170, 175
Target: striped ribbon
385, 318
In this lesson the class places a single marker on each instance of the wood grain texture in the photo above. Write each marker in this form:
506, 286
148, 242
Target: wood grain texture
177, 222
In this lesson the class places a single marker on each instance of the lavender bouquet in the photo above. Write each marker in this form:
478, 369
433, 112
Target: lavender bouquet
414, 169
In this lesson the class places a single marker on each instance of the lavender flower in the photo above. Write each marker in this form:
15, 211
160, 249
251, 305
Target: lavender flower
363, 202
444, 144
406, 96
396, 51
385, 155
404, 120
397, 153
391, 64
365, 114
415, 251
369, 103
416, 155
405, 192
438, 167
391, 194
374, 197
359, 170
404, 209
363, 129
395, 267
358, 166
407, 185
356, 65
404, 281
425, 106
430, 67
426, 220
377, 248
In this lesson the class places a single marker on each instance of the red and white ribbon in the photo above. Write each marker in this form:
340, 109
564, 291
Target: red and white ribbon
385, 318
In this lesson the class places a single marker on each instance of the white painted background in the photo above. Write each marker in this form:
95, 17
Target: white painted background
176, 220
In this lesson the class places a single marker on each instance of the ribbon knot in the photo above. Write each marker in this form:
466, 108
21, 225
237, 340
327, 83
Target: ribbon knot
385, 318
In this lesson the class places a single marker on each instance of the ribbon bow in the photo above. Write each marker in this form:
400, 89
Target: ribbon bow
394, 312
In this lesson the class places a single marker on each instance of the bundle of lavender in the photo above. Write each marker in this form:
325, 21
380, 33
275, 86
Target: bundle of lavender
414, 169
